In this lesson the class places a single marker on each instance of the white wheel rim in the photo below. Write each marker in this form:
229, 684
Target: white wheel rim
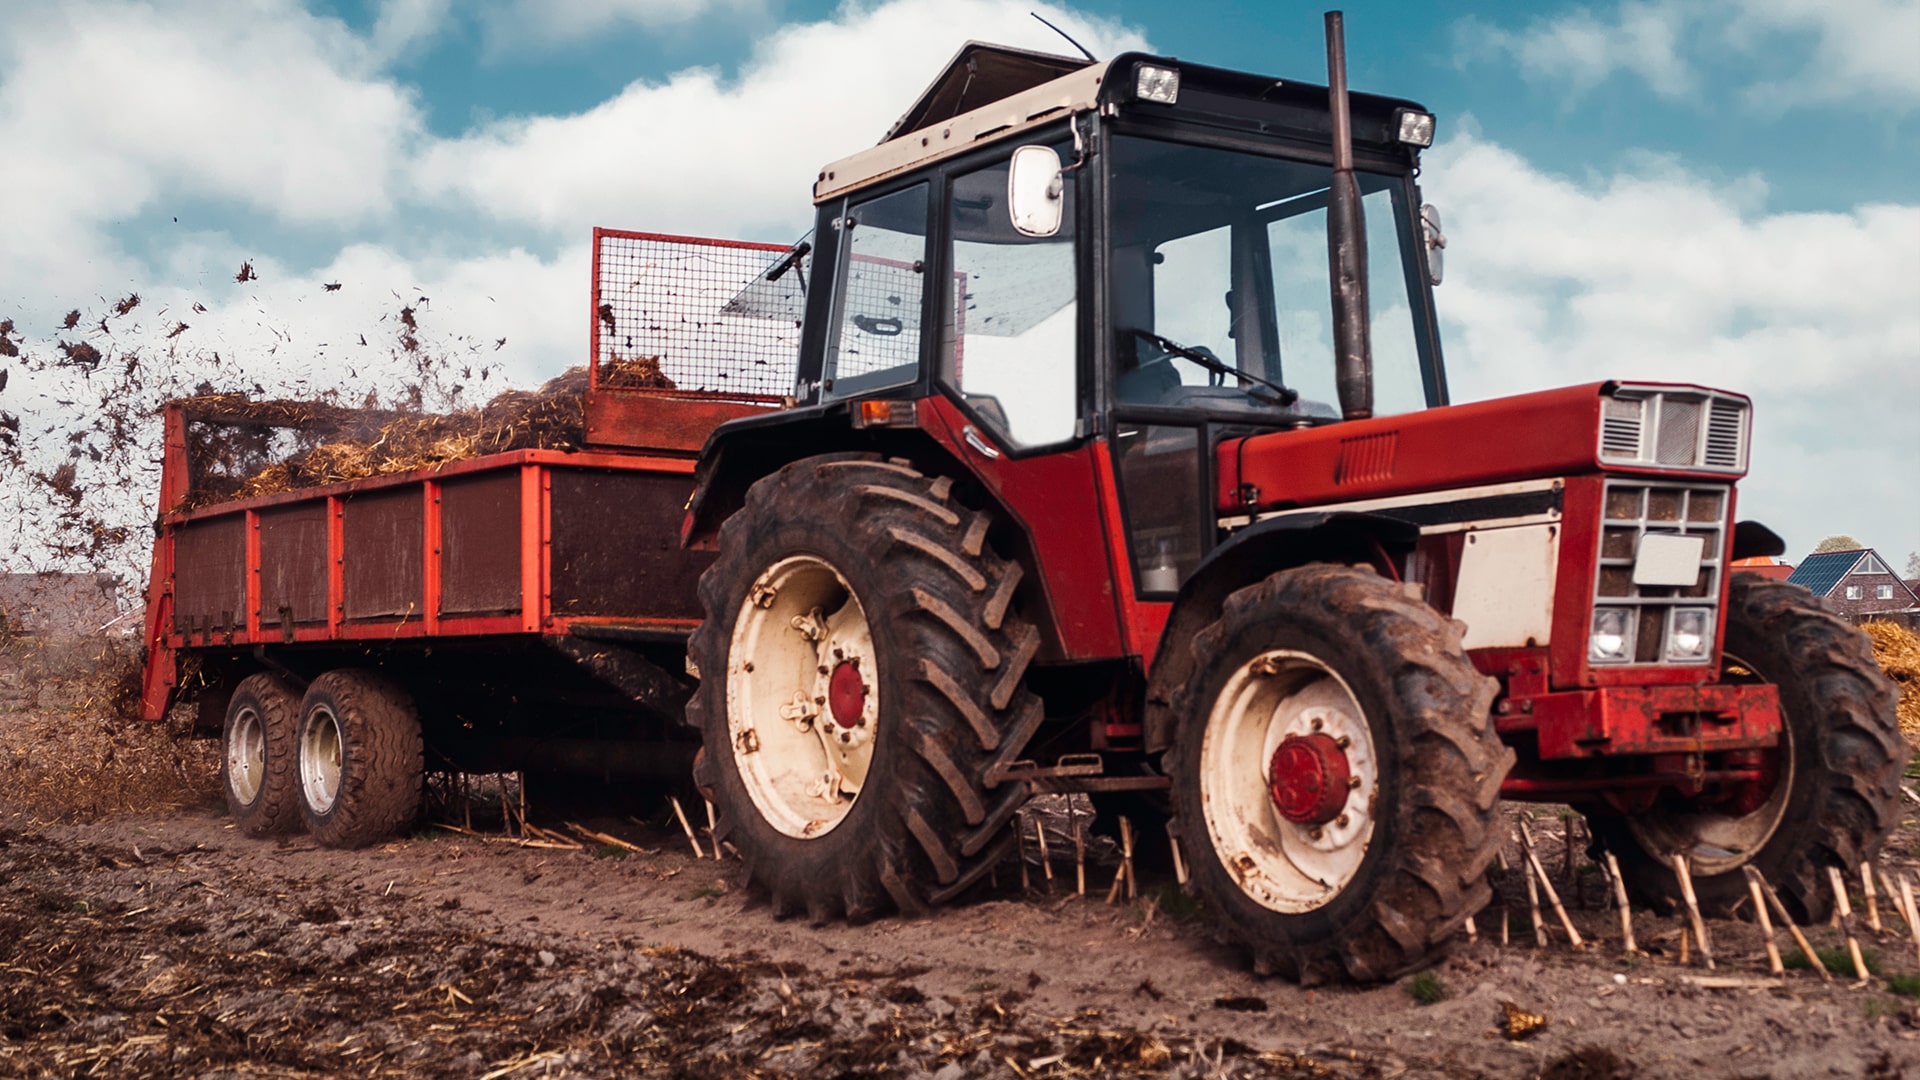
320, 746
1718, 843
1283, 866
246, 756
802, 747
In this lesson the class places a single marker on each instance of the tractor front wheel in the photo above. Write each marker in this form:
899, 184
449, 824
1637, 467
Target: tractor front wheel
1337, 775
1835, 793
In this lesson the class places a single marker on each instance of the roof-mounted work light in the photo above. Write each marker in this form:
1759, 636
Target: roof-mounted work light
1152, 82
1413, 127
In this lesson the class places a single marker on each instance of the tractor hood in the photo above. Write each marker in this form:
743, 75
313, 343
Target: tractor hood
1607, 426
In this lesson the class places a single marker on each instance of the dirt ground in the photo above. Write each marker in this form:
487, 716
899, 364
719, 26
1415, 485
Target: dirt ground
160, 942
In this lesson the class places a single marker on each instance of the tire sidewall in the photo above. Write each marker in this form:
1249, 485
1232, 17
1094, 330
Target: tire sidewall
854, 553
362, 811
277, 709
1339, 648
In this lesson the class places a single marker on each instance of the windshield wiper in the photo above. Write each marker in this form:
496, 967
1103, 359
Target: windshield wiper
1282, 396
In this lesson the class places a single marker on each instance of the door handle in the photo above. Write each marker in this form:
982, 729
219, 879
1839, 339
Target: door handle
983, 446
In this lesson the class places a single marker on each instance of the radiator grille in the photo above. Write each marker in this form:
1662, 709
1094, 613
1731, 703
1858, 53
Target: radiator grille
1632, 510
1674, 428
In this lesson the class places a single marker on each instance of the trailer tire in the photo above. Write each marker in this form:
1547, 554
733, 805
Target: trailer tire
834, 562
257, 756
361, 760
1369, 870
1840, 793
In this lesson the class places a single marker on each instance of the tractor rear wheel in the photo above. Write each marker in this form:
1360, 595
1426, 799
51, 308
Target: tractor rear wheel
256, 761
360, 758
1336, 775
1836, 791
859, 668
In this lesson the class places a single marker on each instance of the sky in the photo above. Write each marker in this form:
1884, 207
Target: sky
1712, 191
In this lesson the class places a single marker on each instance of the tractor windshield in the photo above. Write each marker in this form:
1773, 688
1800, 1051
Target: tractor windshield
1219, 276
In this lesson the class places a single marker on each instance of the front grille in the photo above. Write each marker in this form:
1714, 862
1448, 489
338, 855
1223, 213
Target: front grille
1675, 428
1633, 509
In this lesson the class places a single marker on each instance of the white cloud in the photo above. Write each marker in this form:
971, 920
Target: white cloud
1655, 273
1862, 48
108, 109
734, 156
1857, 48
516, 23
1583, 50
405, 25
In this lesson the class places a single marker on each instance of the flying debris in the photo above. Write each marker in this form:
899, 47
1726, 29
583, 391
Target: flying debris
246, 273
331, 286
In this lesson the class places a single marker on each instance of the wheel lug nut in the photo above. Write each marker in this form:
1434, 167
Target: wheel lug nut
1318, 723
844, 737
747, 667
1316, 832
1353, 783
1343, 742
820, 701
823, 669
1341, 821
839, 653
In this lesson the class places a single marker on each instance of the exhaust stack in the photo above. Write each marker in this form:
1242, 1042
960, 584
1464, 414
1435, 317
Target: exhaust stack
1346, 245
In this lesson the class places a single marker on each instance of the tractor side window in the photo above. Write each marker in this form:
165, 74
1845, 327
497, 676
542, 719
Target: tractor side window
1012, 314
883, 252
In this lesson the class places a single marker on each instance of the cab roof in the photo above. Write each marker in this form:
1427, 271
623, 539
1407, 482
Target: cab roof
994, 91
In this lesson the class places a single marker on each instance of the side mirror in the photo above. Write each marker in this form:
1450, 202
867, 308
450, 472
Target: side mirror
1035, 191
1436, 242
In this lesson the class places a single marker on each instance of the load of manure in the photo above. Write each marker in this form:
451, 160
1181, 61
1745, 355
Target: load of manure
239, 448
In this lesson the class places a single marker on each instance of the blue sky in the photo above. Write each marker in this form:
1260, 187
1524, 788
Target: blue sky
1718, 191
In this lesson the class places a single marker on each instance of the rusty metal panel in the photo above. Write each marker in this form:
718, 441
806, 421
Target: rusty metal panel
616, 545
385, 540
210, 573
480, 543
293, 564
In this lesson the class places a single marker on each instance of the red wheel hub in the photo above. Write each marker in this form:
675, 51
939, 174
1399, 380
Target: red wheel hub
1309, 778
847, 695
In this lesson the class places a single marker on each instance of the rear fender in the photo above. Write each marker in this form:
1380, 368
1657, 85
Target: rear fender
1249, 556
740, 453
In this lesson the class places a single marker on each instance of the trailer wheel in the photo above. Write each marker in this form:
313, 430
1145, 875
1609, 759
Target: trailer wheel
361, 759
257, 756
1836, 792
1337, 775
860, 666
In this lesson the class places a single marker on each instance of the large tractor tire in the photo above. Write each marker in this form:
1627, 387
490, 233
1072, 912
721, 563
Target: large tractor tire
361, 762
257, 756
860, 665
1836, 793
1337, 776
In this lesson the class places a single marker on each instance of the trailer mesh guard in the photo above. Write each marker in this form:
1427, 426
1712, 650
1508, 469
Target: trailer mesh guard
701, 312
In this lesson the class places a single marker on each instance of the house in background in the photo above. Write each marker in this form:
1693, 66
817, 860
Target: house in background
1858, 585
56, 606
1765, 565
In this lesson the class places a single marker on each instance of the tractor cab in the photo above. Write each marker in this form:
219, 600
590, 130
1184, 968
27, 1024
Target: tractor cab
1162, 285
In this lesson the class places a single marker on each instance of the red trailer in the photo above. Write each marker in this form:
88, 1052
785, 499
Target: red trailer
526, 610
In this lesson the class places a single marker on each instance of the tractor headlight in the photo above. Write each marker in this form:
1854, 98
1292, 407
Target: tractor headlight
1414, 128
1154, 83
1611, 640
1690, 637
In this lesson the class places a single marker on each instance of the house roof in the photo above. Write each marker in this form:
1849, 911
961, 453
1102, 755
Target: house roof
1822, 572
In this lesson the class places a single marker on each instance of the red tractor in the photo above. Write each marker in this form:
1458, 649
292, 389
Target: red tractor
1122, 462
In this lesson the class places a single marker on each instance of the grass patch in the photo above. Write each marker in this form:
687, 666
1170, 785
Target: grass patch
706, 892
1907, 985
1177, 904
610, 851
1835, 958
1426, 989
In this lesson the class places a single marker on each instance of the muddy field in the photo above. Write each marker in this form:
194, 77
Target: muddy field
154, 940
